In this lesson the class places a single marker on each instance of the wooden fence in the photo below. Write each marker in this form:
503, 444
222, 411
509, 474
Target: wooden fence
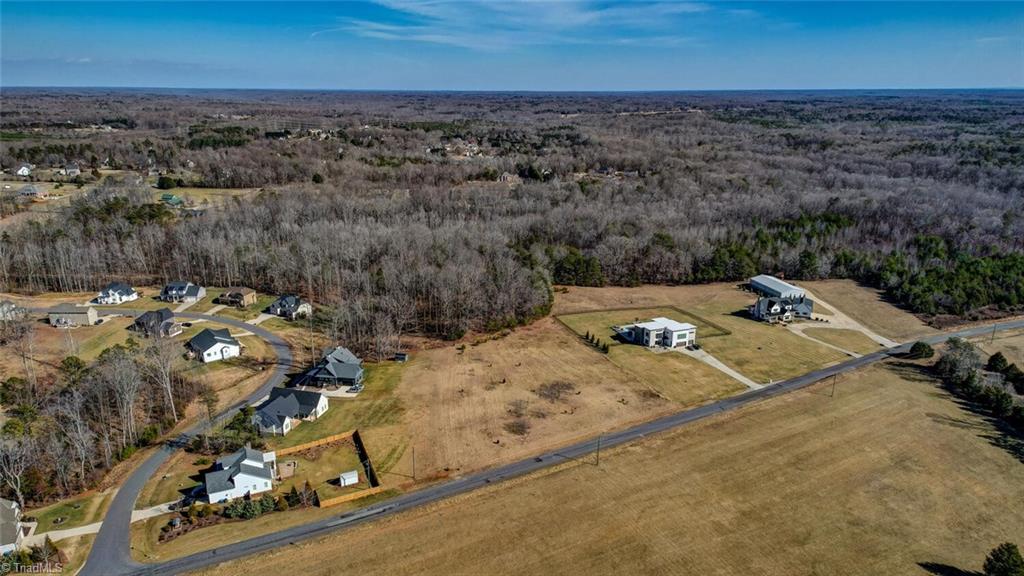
315, 443
349, 497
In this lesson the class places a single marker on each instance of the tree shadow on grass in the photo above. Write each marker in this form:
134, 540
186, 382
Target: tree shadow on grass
946, 570
910, 371
994, 430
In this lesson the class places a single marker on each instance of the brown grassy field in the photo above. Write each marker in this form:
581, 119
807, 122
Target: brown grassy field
888, 474
867, 306
1011, 344
459, 401
674, 376
757, 350
851, 340
51, 345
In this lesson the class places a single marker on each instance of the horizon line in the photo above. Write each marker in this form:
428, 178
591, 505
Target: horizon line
515, 90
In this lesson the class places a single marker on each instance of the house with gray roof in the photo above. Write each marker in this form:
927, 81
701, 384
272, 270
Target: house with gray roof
157, 323
116, 293
213, 344
12, 532
182, 291
30, 191
290, 306
338, 367
67, 315
773, 309
242, 473
286, 407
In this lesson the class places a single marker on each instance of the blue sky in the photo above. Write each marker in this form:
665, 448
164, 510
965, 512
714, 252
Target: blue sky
513, 45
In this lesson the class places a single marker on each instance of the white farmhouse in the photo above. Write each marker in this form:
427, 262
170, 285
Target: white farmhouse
245, 472
117, 293
212, 345
659, 332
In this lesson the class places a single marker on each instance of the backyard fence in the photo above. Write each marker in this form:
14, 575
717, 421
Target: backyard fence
315, 443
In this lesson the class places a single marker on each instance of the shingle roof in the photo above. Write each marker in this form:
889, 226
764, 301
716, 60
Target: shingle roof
210, 337
286, 402
152, 320
231, 465
119, 288
287, 302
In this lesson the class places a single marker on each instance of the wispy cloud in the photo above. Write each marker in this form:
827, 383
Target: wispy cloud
496, 25
991, 39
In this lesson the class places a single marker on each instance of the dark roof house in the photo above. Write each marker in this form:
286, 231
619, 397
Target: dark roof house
338, 367
285, 405
290, 306
157, 323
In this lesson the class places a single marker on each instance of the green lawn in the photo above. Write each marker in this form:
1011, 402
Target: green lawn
92, 340
207, 302
75, 512
323, 469
167, 484
376, 405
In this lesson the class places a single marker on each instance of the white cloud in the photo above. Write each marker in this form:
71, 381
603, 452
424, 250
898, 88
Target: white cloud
497, 25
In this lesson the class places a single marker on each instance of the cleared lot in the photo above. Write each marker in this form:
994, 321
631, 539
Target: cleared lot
759, 351
869, 307
887, 475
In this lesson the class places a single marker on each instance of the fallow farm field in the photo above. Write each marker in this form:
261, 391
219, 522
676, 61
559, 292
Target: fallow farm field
888, 475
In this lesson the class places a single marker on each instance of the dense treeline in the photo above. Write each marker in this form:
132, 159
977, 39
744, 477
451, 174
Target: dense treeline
447, 213
63, 433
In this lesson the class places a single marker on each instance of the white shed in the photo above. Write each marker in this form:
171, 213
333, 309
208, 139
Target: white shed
349, 478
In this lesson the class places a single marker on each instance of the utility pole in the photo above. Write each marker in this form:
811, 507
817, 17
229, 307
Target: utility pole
834, 377
993, 338
598, 463
414, 463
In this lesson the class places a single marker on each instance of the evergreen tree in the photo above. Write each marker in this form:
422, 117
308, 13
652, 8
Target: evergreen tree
1004, 560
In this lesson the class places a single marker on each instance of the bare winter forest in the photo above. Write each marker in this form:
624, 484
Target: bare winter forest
441, 213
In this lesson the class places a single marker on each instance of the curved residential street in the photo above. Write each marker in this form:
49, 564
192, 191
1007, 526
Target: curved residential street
111, 551
111, 555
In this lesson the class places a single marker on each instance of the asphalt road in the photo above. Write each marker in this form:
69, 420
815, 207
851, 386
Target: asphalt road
111, 555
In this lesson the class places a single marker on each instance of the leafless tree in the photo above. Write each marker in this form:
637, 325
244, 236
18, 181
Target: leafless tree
16, 456
160, 357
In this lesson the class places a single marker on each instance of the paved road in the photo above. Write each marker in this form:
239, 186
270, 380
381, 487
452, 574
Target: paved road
110, 552
116, 564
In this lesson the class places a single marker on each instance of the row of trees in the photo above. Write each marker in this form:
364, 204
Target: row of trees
960, 368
